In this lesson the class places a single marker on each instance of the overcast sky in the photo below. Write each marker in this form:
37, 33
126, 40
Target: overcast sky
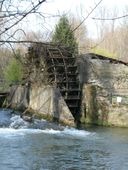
79, 8
63, 5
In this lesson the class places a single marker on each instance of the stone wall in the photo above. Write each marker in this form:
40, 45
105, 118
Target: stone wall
105, 90
45, 100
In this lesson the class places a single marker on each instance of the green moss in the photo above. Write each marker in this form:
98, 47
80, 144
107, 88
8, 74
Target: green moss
43, 116
67, 123
101, 122
104, 52
38, 115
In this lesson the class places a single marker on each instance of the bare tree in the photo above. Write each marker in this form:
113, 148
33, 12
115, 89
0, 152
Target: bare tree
13, 13
80, 34
107, 31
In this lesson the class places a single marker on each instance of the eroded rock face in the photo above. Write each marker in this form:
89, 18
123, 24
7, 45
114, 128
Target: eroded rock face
118, 116
105, 91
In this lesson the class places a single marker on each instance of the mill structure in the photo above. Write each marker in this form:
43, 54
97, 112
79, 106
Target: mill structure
46, 64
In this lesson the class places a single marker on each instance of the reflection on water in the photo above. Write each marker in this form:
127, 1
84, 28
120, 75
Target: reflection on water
63, 148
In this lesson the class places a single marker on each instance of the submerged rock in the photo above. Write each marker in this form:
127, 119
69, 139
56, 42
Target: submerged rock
43, 124
27, 118
18, 122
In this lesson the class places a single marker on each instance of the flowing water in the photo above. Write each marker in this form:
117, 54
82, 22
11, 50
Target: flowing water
23, 146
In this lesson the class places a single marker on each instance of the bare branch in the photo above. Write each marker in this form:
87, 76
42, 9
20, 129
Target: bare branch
26, 42
109, 19
87, 16
23, 16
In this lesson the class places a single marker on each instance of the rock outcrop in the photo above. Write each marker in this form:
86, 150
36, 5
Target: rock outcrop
105, 90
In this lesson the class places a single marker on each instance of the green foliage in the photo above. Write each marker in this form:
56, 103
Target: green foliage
13, 71
64, 35
103, 52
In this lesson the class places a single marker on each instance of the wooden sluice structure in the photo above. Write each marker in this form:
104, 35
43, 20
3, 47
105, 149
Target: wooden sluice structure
57, 66
3, 96
3, 92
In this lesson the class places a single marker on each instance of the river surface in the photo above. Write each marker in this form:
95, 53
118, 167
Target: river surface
53, 147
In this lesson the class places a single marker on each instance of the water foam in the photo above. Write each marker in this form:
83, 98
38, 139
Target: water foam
20, 127
51, 131
72, 132
10, 132
76, 132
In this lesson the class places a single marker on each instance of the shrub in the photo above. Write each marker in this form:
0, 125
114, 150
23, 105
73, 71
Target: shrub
13, 72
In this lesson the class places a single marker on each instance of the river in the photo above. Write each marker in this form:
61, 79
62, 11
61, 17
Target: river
53, 147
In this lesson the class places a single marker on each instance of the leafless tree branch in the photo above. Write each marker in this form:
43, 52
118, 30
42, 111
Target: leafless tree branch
25, 14
87, 16
115, 18
20, 42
